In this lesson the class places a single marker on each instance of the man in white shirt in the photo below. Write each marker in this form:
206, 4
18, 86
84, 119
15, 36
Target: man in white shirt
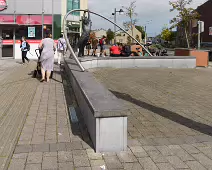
61, 48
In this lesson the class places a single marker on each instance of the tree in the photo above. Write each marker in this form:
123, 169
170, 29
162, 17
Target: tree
167, 34
184, 17
141, 29
130, 12
110, 35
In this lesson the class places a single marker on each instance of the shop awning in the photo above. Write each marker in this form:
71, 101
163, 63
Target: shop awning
8, 24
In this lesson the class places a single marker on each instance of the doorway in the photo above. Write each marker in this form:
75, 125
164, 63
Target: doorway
8, 43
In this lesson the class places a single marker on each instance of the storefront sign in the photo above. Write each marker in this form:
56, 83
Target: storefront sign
3, 5
6, 18
33, 20
31, 32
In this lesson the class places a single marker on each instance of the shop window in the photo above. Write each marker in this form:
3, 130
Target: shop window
32, 32
7, 34
73, 4
57, 26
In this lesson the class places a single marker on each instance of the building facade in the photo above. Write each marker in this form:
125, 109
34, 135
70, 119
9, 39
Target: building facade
205, 12
28, 16
122, 37
100, 33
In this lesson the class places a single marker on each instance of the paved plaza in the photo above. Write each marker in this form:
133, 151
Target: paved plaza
169, 126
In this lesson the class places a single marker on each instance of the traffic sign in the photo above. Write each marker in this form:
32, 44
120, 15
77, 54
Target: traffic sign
201, 26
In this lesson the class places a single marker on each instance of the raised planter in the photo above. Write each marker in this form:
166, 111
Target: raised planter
202, 56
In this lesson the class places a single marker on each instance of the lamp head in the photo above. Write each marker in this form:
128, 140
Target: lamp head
121, 11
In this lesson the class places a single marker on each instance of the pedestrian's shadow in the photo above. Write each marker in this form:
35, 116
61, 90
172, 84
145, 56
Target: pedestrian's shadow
19, 62
175, 117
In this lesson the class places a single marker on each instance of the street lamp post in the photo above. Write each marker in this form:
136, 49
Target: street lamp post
115, 11
42, 19
148, 22
52, 19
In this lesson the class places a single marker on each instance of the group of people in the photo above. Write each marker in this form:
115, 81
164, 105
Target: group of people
48, 48
94, 43
120, 50
125, 50
116, 50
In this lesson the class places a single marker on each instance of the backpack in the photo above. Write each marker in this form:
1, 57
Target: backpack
101, 42
27, 46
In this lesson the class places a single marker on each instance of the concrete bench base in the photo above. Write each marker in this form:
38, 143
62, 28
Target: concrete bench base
139, 62
105, 116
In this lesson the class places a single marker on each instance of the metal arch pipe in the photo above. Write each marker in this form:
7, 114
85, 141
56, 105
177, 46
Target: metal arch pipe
69, 46
67, 41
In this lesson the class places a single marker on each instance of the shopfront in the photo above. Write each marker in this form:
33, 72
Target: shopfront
25, 19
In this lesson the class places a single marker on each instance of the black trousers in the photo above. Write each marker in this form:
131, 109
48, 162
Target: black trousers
24, 53
115, 55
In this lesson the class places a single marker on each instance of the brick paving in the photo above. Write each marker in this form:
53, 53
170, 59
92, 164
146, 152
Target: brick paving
170, 126
17, 90
48, 139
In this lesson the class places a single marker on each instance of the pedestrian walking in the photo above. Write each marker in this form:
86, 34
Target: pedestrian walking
94, 46
88, 47
102, 44
47, 56
25, 47
61, 49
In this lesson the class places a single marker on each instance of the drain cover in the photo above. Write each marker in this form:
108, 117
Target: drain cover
73, 114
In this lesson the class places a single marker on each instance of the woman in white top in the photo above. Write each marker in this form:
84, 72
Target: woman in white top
47, 56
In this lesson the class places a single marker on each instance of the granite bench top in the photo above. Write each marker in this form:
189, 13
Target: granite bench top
100, 100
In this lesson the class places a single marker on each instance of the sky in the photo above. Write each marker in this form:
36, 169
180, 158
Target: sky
154, 14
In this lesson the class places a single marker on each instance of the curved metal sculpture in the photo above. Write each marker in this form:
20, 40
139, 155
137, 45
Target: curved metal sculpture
69, 46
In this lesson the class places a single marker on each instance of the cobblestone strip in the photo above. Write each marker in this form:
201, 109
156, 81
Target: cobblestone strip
15, 102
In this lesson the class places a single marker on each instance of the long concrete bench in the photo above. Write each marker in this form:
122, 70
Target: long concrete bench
104, 114
140, 62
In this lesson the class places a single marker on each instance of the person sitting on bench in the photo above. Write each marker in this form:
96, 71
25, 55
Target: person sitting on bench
114, 51
126, 51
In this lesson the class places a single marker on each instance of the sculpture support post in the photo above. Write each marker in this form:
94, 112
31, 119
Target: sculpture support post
67, 41
69, 46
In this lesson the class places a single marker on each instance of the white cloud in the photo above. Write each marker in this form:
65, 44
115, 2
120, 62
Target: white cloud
155, 10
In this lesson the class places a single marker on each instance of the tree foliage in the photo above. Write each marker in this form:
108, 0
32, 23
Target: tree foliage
130, 11
110, 35
184, 17
141, 29
167, 34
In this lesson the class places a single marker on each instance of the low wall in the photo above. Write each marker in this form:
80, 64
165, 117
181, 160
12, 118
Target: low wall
140, 62
104, 114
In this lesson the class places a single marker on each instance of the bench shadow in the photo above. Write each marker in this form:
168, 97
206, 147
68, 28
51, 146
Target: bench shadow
78, 128
175, 117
